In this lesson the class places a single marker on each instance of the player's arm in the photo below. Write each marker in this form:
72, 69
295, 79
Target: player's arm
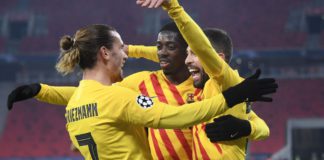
42, 92
59, 95
259, 129
149, 112
213, 64
140, 51
152, 113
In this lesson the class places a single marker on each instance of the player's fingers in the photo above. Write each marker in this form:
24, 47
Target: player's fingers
213, 134
213, 128
222, 118
10, 101
265, 99
146, 3
268, 91
256, 75
215, 138
154, 2
151, 5
9, 105
266, 81
139, 2
159, 3
269, 85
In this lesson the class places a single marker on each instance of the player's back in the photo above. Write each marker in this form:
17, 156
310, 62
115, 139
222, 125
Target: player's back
96, 127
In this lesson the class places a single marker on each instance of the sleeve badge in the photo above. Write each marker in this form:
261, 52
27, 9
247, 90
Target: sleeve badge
144, 101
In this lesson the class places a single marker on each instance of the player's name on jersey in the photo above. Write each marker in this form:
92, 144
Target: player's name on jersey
81, 112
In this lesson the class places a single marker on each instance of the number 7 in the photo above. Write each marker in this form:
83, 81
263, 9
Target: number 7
86, 139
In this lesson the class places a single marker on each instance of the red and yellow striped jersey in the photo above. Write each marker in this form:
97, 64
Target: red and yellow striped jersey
221, 78
166, 143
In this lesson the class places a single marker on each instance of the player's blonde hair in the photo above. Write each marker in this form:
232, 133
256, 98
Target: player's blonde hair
69, 56
83, 48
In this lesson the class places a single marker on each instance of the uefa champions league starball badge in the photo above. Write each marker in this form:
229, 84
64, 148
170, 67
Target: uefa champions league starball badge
144, 101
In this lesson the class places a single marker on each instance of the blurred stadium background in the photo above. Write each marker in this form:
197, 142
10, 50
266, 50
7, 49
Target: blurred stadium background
284, 38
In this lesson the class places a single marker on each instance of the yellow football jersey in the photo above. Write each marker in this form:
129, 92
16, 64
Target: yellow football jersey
221, 78
106, 122
166, 143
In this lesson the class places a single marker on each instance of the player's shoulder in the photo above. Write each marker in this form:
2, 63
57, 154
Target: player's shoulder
124, 95
120, 90
237, 74
142, 75
138, 74
210, 82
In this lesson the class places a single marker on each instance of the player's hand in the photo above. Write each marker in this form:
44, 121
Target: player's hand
227, 128
250, 90
22, 93
150, 3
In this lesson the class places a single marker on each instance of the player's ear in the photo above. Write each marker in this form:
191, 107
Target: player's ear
222, 55
104, 53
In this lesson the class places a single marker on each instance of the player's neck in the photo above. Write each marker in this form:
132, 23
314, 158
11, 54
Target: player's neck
179, 77
98, 75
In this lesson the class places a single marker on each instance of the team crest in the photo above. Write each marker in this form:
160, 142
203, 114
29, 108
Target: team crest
190, 98
144, 101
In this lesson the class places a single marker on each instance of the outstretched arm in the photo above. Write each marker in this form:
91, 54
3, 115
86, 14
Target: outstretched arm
213, 64
149, 112
199, 44
140, 51
42, 92
59, 95
251, 88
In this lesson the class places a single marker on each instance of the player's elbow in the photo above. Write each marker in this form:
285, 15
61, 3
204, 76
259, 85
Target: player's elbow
265, 134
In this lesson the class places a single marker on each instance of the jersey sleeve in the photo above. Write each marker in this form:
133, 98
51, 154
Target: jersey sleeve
213, 64
230, 78
140, 51
149, 112
259, 129
55, 95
